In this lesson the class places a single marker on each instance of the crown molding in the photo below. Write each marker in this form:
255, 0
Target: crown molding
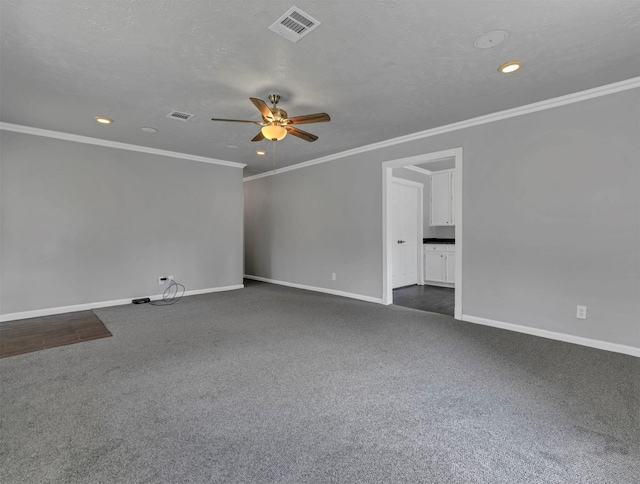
114, 144
595, 92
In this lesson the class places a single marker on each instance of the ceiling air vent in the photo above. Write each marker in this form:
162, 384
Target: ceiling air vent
294, 24
180, 116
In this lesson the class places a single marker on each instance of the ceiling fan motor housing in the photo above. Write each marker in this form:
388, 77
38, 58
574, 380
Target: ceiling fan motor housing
279, 115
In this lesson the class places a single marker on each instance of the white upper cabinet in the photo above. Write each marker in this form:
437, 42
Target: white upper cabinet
442, 202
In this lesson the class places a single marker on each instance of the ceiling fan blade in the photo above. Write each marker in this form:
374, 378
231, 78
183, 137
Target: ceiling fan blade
237, 121
309, 118
301, 134
262, 107
258, 137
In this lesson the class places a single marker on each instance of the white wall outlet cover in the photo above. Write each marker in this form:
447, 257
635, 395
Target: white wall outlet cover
581, 312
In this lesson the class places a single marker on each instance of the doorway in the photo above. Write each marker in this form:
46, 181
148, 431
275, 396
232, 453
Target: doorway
388, 220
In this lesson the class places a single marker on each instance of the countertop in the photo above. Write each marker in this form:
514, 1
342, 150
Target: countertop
438, 241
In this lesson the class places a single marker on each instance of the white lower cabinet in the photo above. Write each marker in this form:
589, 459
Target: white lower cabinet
440, 264
434, 266
450, 263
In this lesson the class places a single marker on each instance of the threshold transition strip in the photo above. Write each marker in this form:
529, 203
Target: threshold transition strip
27, 335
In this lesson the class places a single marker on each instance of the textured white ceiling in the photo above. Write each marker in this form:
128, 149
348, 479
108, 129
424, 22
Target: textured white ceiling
381, 69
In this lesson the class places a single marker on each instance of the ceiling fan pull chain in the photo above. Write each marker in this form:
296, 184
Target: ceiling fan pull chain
274, 156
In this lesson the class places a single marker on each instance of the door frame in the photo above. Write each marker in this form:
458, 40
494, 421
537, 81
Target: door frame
387, 245
419, 223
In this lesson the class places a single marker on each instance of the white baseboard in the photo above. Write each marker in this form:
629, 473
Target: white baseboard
440, 284
567, 338
103, 304
317, 289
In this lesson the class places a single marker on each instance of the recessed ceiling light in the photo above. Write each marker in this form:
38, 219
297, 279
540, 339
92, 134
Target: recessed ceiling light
261, 152
103, 119
149, 129
509, 67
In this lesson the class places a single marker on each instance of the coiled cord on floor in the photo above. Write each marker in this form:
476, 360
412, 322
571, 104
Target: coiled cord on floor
167, 297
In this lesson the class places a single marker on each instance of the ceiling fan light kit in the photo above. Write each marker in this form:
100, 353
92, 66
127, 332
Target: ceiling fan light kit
274, 132
275, 121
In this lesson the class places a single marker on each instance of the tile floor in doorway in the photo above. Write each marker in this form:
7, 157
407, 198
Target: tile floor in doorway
434, 299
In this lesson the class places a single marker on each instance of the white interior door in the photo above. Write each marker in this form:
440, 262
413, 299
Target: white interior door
405, 200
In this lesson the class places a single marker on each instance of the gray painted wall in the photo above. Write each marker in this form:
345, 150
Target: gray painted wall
315, 225
445, 232
83, 223
551, 219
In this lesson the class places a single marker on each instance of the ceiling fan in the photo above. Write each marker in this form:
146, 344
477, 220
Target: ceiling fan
275, 123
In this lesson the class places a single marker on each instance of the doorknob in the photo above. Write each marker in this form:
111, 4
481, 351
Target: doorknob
400, 241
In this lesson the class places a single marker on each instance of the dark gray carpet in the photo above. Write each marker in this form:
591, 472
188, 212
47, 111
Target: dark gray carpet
275, 385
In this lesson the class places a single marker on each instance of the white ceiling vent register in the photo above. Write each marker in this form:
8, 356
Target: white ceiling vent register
294, 24
180, 116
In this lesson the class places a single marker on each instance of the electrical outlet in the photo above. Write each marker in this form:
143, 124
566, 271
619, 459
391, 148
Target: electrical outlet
162, 280
581, 312
333, 276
